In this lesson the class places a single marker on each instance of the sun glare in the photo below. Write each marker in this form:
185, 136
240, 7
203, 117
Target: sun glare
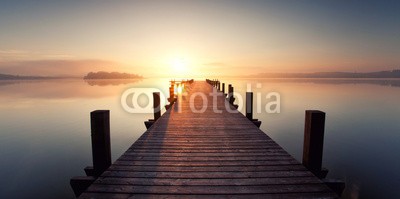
180, 89
179, 64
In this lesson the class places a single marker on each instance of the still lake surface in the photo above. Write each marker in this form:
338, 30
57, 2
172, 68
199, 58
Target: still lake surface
45, 129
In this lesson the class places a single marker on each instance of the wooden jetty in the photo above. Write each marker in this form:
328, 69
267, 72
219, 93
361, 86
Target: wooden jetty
206, 154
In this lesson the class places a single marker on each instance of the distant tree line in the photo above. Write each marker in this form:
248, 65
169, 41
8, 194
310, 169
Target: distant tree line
111, 75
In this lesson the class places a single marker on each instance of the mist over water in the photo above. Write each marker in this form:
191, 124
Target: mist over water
45, 129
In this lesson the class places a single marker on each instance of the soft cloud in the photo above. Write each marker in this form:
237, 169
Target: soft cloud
11, 52
13, 55
214, 64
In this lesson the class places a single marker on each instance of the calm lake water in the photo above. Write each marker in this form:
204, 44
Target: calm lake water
45, 129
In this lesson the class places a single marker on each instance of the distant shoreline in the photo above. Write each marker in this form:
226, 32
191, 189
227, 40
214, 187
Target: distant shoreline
90, 76
23, 77
394, 74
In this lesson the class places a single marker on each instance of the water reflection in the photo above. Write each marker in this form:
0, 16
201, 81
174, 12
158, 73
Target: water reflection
62, 89
45, 130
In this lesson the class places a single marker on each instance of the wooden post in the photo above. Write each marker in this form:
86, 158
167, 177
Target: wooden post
100, 125
156, 105
230, 94
223, 88
249, 105
171, 93
219, 85
313, 141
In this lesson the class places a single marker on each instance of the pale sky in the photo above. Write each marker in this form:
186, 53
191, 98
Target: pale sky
198, 38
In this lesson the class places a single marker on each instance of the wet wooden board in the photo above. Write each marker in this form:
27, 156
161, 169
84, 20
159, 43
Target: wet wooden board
206, 155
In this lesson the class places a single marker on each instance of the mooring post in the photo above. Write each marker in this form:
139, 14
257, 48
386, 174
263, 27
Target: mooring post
101, 151
249, 109
230, 94
156, 105
229, 90
171, 93
171, 98
249, 105
313, 149
101, 146
313, 140
223, 88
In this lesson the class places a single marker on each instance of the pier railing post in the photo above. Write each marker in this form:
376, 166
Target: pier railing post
156, 105
101, 146
171, 93
249, 105
171, 98
230, 94
229, 90
231, 98
249, 109
223, 88
219, 86
313, 140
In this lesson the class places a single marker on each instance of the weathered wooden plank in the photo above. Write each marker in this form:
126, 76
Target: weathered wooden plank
214, 145
238, 140
200, 150
205, 163
185, 168
203, 141
204, 128
191, 154
205, 182
200, 139
204, 136
204, 158
209, 189
206, 147
208, 175
299, 195
201, 132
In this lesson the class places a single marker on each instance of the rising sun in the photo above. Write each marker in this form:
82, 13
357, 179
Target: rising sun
179, 64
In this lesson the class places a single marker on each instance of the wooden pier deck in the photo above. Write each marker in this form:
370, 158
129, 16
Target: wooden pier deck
206, 155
